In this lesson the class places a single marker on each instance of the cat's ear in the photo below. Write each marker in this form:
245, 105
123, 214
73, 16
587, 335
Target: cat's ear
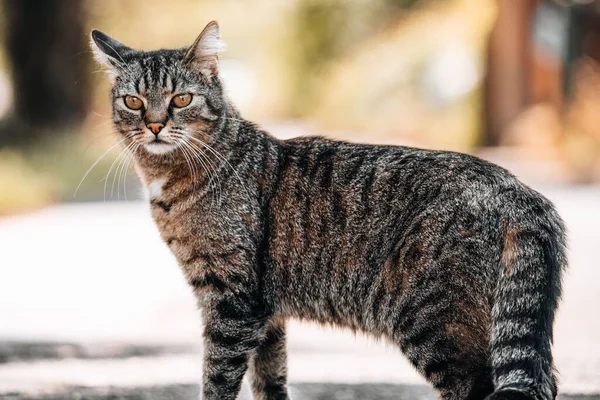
203, 55
109, 52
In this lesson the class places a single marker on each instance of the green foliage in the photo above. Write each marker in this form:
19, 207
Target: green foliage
317, 39
401, 3
324, 30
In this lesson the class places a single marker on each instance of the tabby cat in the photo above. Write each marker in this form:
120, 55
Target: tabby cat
447, 256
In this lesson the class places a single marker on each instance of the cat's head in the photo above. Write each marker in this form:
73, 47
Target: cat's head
165, 97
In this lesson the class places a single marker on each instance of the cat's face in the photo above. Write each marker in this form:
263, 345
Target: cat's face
163, 99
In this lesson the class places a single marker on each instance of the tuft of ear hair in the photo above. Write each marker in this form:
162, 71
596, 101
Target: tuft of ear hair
203, 55
109, 52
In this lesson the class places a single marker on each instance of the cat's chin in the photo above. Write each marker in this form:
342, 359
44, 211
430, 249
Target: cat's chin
159, 148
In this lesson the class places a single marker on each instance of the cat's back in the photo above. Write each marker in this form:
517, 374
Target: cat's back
356, 190
329, 164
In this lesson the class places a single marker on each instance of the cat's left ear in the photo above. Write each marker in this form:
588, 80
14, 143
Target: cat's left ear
203, 55
109, 52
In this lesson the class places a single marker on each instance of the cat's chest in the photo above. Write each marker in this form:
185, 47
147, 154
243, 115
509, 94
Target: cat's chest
184, 222
155, 187
170, 210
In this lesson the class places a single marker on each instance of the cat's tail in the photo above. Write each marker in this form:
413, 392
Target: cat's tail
525, 301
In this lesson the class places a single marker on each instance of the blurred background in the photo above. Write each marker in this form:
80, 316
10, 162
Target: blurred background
92, 304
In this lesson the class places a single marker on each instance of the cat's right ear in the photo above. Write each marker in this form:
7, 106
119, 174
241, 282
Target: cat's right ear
109, 52
203, 55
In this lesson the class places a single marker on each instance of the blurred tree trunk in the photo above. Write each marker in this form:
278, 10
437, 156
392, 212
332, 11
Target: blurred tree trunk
507, 65
46, 46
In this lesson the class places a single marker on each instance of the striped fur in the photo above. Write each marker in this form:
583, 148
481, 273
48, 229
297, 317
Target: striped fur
445, 255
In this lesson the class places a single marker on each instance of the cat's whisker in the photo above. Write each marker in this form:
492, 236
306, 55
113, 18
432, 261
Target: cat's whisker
194, 177
100, 115
119, 173
94, 140
187, 145
187, 161
206, 165
126, 170
121, 158
191, 168
101, 124
80, 53
197, 155
198, 162
96, 163
132, 154
106, 177
118, 159
219, 155
191, 162
120, 169
211, 169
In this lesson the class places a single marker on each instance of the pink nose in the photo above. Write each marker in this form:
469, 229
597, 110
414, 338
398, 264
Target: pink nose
155, 127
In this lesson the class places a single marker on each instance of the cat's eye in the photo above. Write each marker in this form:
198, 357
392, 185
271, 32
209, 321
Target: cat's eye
182, 100
134, 103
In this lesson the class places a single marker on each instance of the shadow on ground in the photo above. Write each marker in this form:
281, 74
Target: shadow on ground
19, 351
299, 391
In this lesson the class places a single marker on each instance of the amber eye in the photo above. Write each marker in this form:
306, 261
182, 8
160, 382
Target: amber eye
182, 100
135, 103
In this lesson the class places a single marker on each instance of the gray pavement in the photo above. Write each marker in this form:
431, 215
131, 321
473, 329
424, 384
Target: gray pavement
298, 391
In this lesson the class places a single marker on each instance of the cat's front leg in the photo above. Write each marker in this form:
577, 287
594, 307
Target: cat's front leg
268, 365
233, 331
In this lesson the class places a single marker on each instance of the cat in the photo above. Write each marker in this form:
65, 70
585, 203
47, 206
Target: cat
445, 255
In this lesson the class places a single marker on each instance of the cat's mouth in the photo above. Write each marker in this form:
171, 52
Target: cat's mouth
159, 146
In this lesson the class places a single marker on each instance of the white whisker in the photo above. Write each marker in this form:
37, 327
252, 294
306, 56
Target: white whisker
97, 161
219, 155
187, 161
103, 136
198, 156
123, 156
132, 154
209, 167
121, 168
205, 163
106, 177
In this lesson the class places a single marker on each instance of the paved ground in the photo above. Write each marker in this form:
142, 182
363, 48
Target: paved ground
298, 391
91, 299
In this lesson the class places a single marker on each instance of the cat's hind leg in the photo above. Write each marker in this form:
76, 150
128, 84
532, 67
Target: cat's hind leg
268, 365
456, 370
443, 329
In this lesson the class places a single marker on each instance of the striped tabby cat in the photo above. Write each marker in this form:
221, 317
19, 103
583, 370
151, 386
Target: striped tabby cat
447, 256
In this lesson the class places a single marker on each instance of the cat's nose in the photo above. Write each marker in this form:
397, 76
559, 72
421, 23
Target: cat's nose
155, 127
